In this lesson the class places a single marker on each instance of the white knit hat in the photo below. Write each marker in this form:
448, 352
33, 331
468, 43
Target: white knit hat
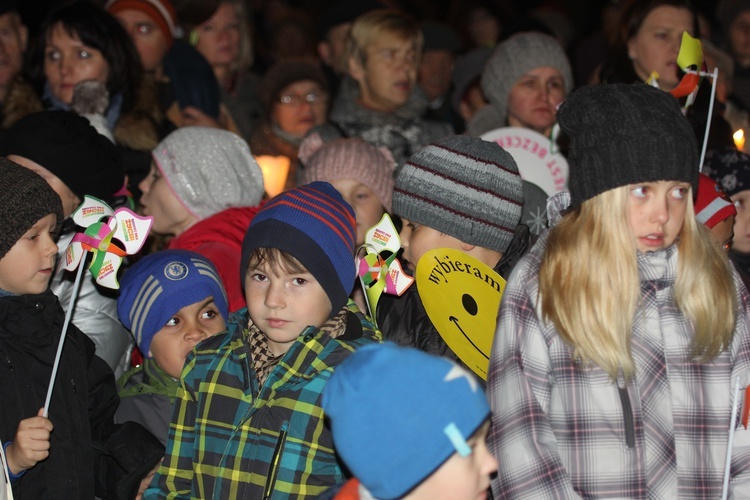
209, 170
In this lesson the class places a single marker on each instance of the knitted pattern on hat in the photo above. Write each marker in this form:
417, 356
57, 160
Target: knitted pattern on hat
712, 205
465, 187
349, 159
160, 11
624, 134
313, 224
159, 285
68, 146
209, 170
730, 168
25, 198
511, 60
397, 414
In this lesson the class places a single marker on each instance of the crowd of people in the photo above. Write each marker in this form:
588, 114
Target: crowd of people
241, 357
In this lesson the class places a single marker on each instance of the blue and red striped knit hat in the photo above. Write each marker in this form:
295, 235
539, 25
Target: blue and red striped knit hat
313, 224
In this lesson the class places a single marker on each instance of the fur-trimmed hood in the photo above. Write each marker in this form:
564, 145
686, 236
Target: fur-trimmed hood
137, 128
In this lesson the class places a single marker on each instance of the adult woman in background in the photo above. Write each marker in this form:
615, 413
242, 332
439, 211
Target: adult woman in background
648, 41
77, 42
295, 99
225, 41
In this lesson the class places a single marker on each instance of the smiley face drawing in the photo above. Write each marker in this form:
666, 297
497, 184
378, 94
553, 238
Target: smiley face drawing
461, 296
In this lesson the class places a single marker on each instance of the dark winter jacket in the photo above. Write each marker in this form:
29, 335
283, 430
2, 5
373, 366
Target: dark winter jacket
89, 454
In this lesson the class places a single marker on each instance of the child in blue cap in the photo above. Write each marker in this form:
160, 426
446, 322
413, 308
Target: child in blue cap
408, 424
170, 301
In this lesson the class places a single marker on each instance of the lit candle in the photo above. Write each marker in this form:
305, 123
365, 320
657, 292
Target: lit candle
739, 139
275, 171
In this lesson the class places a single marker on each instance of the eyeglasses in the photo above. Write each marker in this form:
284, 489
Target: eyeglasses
298, 100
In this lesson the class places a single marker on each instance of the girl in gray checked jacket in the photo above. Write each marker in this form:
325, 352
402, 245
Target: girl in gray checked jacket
622, 332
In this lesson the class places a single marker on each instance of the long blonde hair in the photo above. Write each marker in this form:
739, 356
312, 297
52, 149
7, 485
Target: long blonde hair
590, 290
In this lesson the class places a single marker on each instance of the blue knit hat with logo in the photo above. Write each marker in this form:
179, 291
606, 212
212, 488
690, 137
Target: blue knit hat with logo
397, 414
159, 285
313, 224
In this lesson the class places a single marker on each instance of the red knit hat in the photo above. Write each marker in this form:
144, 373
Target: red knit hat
160, 11
712, 205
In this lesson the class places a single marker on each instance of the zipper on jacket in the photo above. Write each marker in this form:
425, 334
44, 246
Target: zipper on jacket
627, 413
275, 461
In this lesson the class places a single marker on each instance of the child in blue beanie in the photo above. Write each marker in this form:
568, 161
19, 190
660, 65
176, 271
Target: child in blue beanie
408, 424
249, 421
170, 301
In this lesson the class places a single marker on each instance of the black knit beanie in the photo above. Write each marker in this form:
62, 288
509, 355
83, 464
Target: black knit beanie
25, 198
624, 134
67, 145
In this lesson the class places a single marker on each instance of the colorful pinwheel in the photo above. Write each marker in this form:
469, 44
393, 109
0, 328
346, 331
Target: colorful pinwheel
109, 235
376, 273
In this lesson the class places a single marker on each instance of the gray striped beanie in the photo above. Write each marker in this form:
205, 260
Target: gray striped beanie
159, 285
465, 187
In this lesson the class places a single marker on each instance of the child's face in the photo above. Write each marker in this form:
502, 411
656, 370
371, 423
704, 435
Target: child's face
656, 212
461, 478
722, 233
417, 240
191, 324
28, 265
158, 200
281, 304
387, 78
741, 240
367, 207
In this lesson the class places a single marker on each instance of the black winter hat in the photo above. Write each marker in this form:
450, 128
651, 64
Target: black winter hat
25, 198
624, 134
67, 145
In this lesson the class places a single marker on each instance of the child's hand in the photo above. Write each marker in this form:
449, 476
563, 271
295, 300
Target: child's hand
146, 481
31, 443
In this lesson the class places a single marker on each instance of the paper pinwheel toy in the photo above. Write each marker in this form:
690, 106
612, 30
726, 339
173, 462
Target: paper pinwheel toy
109, 235
380, 274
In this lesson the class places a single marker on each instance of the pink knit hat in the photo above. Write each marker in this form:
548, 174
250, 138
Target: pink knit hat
349, 159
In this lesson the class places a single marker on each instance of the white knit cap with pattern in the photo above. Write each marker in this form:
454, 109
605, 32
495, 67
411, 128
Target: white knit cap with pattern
209, 170
465, 187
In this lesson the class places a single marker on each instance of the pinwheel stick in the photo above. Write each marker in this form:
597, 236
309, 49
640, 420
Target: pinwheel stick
730, 441
714, 76
68, 315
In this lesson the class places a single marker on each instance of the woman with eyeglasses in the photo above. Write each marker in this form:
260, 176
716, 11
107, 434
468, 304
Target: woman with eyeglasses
295, 99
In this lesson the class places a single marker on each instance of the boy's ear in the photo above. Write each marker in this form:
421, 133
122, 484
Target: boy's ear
466, 247
356, 70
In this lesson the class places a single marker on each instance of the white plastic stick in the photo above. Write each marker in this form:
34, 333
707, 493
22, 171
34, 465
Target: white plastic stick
710, 115
68, 315
730, 441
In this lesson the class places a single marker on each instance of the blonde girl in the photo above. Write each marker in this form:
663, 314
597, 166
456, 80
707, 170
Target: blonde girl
622, 332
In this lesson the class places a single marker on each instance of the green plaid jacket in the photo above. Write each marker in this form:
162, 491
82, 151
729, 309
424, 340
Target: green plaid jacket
231, 438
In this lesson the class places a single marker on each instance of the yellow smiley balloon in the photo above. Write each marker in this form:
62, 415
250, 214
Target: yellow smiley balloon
461, 296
